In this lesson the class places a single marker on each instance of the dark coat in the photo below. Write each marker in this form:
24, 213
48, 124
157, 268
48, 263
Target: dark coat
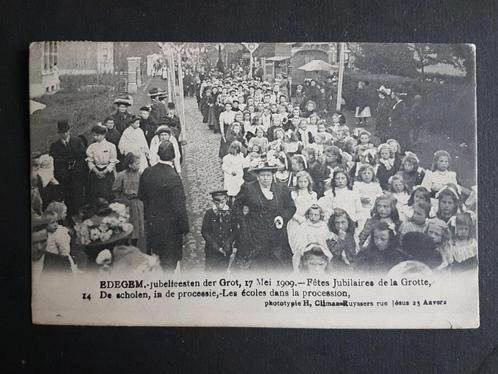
371, 260
121, 120
218, 230
113, 136
267, 245
165, 212
157, 111
174, 124
399, 116
149, 128
70, 170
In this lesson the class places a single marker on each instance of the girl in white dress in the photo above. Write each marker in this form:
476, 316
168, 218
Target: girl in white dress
233, 170
440, 174
133, 141
304, 197
341, 196
400, 191
313, 230
368, 189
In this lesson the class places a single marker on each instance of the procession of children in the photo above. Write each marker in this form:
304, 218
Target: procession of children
360, 201
304, 189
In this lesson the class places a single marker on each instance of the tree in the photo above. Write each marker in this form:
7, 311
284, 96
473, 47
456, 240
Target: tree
425, 54
391, 58
460, 56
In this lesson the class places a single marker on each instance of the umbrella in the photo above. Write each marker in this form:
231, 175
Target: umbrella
34, 106
317, 65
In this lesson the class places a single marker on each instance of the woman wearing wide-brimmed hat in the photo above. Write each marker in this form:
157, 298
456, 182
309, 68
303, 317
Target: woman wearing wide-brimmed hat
122, 117
102, 226
263, 209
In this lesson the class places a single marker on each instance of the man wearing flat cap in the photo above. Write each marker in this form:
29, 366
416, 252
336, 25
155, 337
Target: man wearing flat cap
70, 168
162, 192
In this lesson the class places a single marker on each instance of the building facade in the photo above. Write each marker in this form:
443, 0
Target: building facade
85, 58
43, 69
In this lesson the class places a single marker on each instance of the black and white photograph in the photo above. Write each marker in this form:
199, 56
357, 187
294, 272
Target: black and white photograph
270, 181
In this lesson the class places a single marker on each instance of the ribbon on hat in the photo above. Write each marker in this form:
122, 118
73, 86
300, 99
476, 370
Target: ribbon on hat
438, 223
411, 154
325, 250
449, 188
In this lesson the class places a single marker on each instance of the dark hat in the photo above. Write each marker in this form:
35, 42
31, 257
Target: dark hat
163, 128
166, 151
218, 193
99, 129
421, 248
134, 118
125, 100
146, 108
265, 165
35, 155
62, 126
171, 105
39, 223
235, 101
153, 92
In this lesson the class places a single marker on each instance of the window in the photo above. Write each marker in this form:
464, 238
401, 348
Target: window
46, 56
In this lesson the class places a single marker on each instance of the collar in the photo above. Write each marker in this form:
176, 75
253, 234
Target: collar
224, 209
170, 163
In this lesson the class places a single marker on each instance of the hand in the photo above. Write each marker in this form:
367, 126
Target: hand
341, 234
222, 251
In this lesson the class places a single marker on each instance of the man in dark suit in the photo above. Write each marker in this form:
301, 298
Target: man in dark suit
70, 168
399, 121
161, 190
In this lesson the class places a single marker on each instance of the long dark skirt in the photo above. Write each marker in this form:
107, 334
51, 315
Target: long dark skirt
56, 263
100, 188
212, 118
263, 250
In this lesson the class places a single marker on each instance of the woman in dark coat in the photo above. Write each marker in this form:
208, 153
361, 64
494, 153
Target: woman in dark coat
263, 209
161, 190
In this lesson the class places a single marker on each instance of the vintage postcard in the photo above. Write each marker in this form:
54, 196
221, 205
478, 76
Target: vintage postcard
306, 185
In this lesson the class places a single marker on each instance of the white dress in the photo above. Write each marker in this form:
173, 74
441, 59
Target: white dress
304, 234
303, 201
154, 147
371, 190
231, 164
435, 180
402, 204
133, 140
345, 199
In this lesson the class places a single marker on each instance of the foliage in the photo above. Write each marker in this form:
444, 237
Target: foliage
381, 58
448, 107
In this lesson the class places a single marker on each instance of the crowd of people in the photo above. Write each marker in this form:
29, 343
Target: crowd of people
304, 190
124, 191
